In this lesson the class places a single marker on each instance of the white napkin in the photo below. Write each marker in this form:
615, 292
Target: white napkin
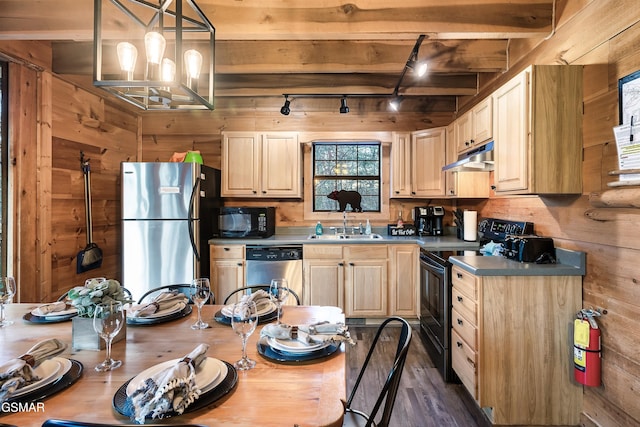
317, 333
161, 302
170, 390
18, 372
44, 309
260, 297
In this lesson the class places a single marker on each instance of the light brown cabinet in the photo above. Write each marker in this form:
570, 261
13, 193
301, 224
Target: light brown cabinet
258, 164
323, 271
365, 280
511, 346
461, 184
538, 131
474, 127
416, 164
227, 270
403, 280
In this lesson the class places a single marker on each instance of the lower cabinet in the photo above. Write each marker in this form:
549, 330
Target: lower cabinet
365, 280
511, 346
227, 270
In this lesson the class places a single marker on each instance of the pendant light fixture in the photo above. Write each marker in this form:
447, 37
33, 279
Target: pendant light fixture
177, 42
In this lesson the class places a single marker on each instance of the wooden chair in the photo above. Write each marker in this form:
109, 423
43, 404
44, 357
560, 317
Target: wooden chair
182, 287
353, 417
66, 423
249, 289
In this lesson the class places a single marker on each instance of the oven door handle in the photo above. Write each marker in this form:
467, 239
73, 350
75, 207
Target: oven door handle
430, 265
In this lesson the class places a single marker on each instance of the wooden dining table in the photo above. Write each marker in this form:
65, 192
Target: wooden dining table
271, 394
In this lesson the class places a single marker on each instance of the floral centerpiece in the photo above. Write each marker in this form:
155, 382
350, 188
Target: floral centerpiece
85, 299
96, 291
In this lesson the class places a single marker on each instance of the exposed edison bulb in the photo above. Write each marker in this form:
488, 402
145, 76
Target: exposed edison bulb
168, 70
192, 64
127, 56
154, 44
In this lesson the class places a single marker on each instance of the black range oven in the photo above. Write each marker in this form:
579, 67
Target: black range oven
435, 308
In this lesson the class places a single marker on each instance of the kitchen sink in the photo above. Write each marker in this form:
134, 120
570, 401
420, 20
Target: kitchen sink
344, 237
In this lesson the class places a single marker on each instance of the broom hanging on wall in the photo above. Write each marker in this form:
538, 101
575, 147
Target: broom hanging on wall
91, 256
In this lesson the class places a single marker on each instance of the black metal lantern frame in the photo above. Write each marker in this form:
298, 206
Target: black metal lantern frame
182, 24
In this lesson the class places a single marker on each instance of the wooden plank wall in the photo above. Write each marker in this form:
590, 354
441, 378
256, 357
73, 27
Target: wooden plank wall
603, 37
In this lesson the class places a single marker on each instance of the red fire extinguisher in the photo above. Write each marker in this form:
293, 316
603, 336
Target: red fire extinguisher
587, 350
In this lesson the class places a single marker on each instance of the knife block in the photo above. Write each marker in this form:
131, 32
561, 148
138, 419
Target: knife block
84, 337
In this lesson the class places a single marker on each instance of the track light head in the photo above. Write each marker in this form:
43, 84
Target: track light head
285, 110
395, 102
418, 67
344, 109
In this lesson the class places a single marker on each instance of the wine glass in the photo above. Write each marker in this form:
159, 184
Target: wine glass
200, 291
7, 291
108, 319
279, 291
244, 320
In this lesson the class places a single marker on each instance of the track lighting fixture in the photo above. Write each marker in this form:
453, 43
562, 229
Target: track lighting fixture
412, 63
344, 109
285, 110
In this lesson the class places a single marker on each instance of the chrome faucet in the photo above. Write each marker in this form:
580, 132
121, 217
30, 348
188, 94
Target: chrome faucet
344, 222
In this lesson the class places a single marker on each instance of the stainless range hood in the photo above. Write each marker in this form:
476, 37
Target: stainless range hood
477, 160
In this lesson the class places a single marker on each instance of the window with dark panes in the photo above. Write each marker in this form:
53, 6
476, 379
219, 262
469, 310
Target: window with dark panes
349, 166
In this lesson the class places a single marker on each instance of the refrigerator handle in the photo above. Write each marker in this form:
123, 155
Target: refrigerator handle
194, 194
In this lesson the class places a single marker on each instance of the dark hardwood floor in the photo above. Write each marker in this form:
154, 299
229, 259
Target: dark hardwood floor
424, 399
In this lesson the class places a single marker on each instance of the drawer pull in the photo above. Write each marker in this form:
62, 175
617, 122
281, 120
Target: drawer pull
239, 264
459, 275
458, 343
471, 362
227, 249
459, 321
459, 299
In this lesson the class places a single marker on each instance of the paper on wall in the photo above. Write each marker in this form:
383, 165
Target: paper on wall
628, 145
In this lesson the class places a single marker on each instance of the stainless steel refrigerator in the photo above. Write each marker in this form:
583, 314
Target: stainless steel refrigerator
169, 211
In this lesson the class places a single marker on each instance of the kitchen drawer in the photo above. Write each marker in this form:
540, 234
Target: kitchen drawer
227, 251
464, 305
322, 251
463, 361
464, 327
365, 252
466, 282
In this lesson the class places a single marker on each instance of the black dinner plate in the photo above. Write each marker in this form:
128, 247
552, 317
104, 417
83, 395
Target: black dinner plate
70, 377
273, 354
32, 318
221, 318
142, 321
121, 405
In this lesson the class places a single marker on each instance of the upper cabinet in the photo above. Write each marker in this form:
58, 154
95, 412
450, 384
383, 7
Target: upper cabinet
475, 126
256, 164
416, 164
537, 127
461, 184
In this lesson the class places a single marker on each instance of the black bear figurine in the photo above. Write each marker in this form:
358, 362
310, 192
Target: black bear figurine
343, 197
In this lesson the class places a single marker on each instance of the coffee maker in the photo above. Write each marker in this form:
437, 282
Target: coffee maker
428, 220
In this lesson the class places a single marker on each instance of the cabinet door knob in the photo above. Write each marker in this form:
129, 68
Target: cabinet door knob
341, 264
397, 192
351, 264
459, 299
458, 343
239, 264
413, 193
460, 322
255, 192
227, 249
459, 275
264, 192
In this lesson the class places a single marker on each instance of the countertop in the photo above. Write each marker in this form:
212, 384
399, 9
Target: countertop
570, 263
434, 243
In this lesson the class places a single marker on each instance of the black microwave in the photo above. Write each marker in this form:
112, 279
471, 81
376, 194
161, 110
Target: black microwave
241, 222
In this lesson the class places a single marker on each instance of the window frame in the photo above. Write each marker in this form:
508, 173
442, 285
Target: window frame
377, 178
330, 218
